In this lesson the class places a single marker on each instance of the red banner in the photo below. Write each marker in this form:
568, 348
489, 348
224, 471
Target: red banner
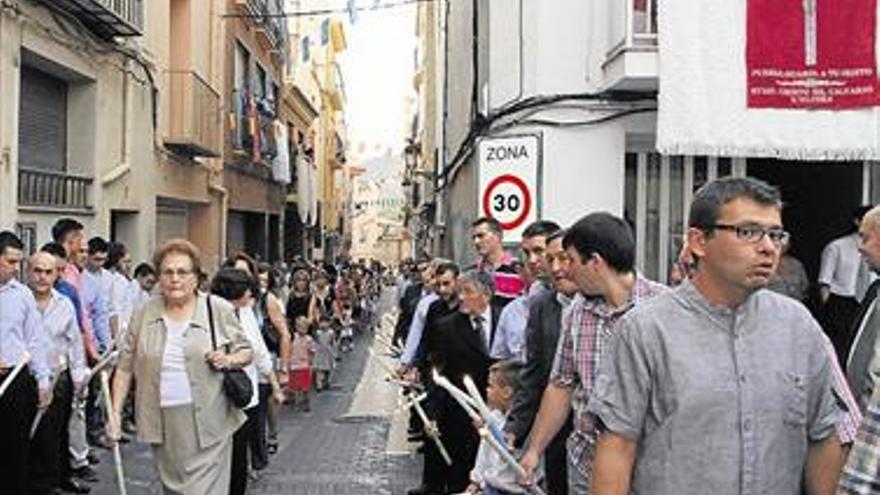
812, 54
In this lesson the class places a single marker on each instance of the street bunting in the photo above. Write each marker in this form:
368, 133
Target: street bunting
508, 188
812, 54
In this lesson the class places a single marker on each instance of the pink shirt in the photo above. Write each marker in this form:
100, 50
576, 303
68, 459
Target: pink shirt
302, 350
73, 276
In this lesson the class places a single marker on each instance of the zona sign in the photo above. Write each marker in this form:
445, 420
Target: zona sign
518, 204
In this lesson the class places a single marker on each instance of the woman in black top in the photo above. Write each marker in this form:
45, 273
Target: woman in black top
300, 296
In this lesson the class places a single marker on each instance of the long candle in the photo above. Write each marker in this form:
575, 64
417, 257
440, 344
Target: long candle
462, 398
25, 358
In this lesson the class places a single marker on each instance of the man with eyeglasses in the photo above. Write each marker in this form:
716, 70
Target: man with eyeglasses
719, 386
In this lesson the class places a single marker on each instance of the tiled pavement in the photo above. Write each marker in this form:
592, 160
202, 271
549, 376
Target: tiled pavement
339, 448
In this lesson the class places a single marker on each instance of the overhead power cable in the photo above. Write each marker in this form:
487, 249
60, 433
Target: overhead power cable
329, 11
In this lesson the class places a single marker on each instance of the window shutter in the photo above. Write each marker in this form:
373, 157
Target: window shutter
42, 130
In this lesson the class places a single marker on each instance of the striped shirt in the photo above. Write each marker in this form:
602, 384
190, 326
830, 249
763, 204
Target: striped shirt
586, 332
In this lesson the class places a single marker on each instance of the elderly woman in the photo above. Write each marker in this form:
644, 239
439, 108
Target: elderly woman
181, 407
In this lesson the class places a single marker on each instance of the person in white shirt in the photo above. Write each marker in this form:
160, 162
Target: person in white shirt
236, 286
839, 287
119, 266
50, 469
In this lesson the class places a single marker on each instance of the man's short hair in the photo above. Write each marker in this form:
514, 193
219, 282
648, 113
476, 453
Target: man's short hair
606, 235
98, 245
708, 200
447, 267
482, 279
55, 249
144, 269
559, 234
493, 225
9, 240
542, 228
63, 227
509, 371
115, 252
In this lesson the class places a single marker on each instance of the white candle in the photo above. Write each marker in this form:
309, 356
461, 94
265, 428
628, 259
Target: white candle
462, 398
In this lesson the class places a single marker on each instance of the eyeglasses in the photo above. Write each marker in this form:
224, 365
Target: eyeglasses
181, 273
753, 233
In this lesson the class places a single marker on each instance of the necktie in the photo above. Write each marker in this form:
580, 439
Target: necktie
863, 348
480, 329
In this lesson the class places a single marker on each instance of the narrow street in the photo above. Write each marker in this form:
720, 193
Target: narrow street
352, 441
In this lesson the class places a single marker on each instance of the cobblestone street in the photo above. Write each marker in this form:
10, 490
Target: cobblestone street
348, 444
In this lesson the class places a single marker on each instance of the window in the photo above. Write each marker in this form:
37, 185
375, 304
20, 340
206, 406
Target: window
42, 136
242, 67
305, 49
325, 32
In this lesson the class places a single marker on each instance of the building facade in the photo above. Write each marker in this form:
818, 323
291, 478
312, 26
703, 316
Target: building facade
112, 119
583, 77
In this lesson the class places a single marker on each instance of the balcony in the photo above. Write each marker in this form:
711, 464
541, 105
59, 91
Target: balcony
107, 18
194, 111
270, 24
631, 60
251, 132
53, 190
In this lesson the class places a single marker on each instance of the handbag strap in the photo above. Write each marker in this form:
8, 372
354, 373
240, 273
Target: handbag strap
211, 324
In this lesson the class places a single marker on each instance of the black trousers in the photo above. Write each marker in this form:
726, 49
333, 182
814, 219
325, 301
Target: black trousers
462, 442
838, 315
258, 441
94, 412
240, 443
49, 446
435, 471
17, 409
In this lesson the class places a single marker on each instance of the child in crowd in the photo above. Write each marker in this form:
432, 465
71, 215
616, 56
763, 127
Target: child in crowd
491, 475
326, 352
346, 334
302, 355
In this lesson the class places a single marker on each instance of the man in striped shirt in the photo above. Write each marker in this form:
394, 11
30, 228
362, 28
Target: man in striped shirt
488, 238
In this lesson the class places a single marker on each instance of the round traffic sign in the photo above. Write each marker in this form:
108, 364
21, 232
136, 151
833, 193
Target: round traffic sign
507, 199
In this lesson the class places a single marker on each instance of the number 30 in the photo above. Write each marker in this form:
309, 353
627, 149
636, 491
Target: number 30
501, 202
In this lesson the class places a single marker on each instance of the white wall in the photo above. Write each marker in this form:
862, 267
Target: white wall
563, 47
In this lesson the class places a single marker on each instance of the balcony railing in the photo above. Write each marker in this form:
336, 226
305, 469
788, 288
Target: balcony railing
267, 17
42, 188
107, 18
633, 25
194, 111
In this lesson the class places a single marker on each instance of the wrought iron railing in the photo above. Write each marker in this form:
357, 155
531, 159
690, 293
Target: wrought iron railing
131, 11
45, 188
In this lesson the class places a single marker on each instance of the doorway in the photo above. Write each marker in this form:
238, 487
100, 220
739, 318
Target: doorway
819, 198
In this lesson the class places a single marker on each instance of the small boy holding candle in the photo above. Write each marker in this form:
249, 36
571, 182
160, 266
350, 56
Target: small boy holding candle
491, 475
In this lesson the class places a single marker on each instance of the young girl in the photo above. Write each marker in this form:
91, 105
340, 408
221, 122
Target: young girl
302, 355
346, 333
326, 355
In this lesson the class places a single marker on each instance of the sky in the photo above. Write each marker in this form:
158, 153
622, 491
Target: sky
378, 71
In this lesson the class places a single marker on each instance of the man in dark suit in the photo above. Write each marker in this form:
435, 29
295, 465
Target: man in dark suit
542, 335
435, 471
408, 302
463, 340
862, 356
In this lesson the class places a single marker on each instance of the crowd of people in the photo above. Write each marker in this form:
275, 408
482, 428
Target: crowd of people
604, 382
201, 363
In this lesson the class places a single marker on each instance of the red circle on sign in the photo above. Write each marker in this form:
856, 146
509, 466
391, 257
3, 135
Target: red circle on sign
527, 199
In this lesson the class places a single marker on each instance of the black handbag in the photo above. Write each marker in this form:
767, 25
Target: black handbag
236, 383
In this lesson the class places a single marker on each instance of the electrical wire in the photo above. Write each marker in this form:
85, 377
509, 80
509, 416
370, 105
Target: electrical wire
324, 12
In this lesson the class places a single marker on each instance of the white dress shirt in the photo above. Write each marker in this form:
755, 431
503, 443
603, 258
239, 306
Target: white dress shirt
839, 269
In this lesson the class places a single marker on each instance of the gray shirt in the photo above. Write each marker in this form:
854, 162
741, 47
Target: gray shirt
719, 401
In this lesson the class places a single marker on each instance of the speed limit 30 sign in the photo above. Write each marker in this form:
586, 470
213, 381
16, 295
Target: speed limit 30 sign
509, 169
